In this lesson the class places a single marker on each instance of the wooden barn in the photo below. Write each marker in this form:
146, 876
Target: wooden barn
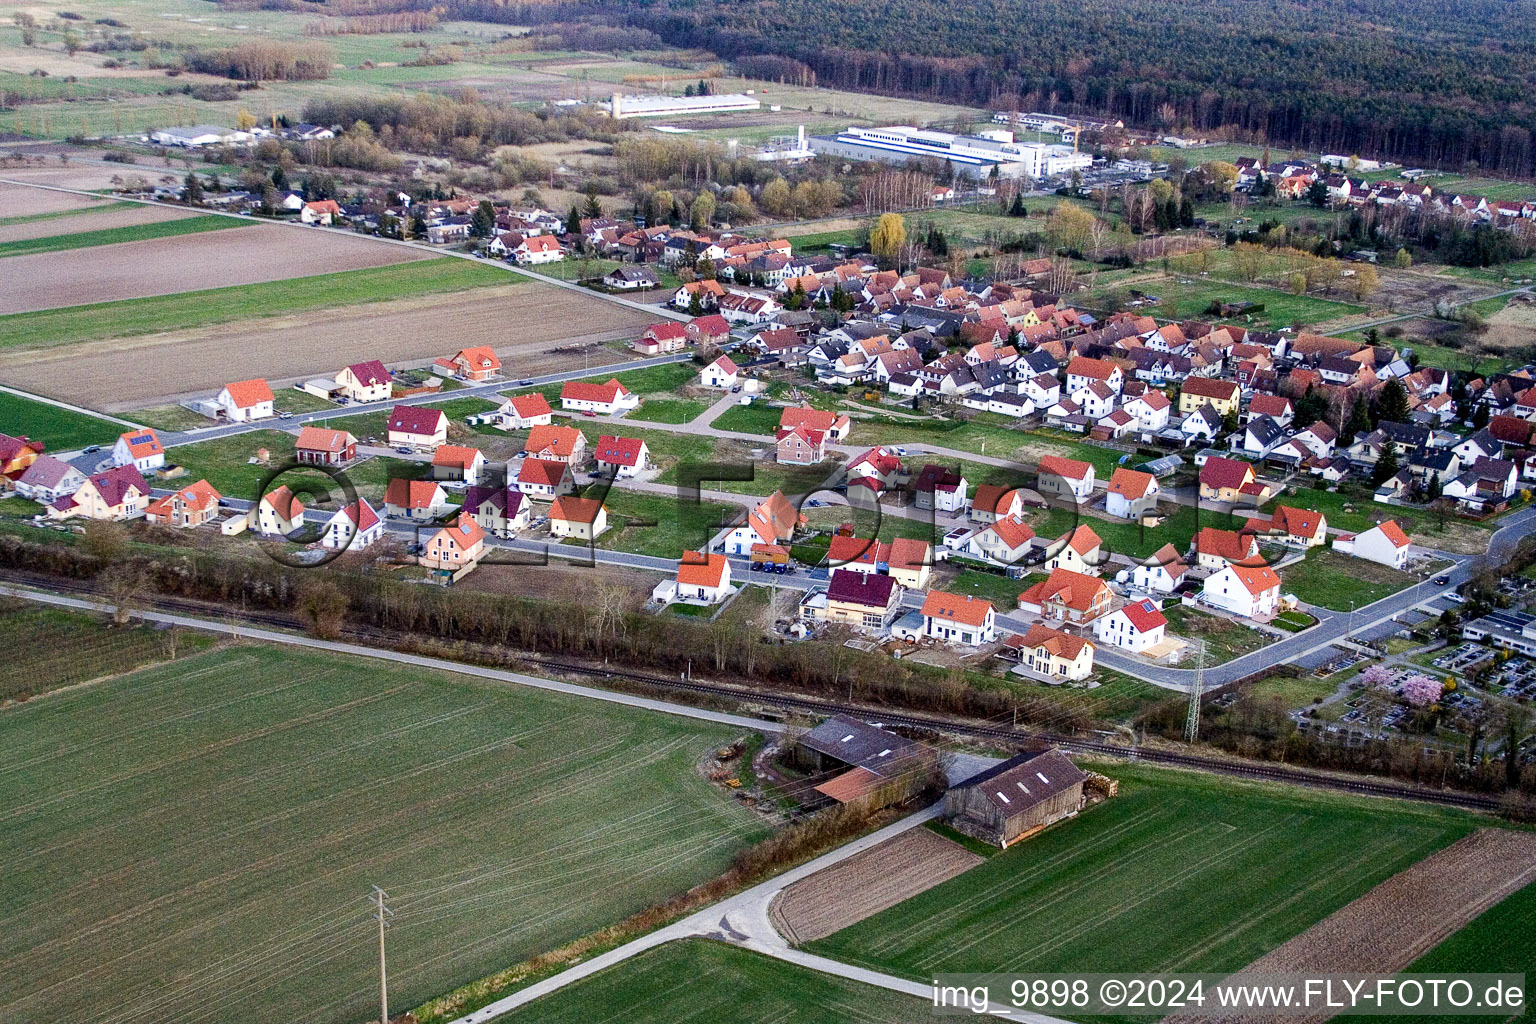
1015, 798
863, 764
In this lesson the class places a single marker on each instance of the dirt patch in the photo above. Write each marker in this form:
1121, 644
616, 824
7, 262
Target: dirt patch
1514, 326
110, 217
521, 321
867, 883
20, 201
165, 266
558, 581
1404, 917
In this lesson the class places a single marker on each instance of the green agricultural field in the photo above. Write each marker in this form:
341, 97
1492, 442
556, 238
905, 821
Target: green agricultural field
1180, 872
198, 840
701, 980
48, 648
221, 305
60, 429
1185, 298
1339, 582
115, 236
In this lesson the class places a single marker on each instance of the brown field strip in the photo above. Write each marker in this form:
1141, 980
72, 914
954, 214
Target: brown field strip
117, 216
867, 883
184, 263
1404, 917
521, 321
21, 201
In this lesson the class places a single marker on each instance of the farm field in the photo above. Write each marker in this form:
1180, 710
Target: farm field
1186, 298
317, 340
166, 266
84, 218
50, 648
118, 236
1178, 873
22, 204
60, 429
242, 803
702, 980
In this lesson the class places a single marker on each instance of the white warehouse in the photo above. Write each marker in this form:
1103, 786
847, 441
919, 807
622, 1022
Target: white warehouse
974, 156
668, 106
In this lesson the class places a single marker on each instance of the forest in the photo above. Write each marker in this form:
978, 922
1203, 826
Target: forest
1419, 81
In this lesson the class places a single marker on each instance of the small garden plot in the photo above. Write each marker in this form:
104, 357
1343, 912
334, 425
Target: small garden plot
1225, 639
1339, 582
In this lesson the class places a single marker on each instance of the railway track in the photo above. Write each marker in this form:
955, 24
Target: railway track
374, 636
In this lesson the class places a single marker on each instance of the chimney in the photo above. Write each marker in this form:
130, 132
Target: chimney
800, 137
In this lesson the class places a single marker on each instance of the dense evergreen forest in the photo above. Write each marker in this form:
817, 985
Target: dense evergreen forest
1423, 81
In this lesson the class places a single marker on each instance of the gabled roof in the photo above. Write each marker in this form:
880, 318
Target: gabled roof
556, 440
572, 509
1024, 781
1013, 531
542, 472
1269, 405
284, 502
143, 443
463, 531
481, 357
114, 484
370, 372
1394, 533
607, 393
872, 590
1056, 643
909, 553
248, 393
1081, 540
857, 743
1211, 387
320, 439
1070, 469
701, 570
1232, 545
990, 496
1075, 590
360, 513
530, 406
1144, 616
47, 472
619, 451
1256, 579
412, 493
1223, 473
966, 610
725, 365
1131, 484
415, 419
1098, 369
456, 456
814, 419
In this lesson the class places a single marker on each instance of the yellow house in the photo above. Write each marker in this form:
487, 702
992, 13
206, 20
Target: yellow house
1050, 652
910, 562
1223, 479
863, 600
1222, 395
1078, 551
582, 519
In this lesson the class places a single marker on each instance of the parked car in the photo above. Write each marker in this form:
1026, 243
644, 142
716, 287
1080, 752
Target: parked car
403, 450
1441, 581
92, 449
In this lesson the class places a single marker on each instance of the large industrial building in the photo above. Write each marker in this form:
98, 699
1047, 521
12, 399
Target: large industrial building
975, 156
671, 106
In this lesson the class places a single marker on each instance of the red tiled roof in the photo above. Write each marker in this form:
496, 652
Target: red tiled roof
1056, 643
319, 439
1222, 473
699, 570
1394, 533
1130, 484
1076, 590
619, 451
246, 393
558, 440
542, 472
1071, 469
413, 419
584, 391
1145, 616
531, 406
411, 493
966, 610
572, 509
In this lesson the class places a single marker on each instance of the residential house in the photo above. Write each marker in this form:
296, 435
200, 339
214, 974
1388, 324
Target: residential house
910, 562
876, 471
119, 493
1296, 527
320, 211
1204, 424
419, 500
544, 479
140, 449
628, 278
959, 619
1276, 407
773, 521
1067, 595
1132, 494
1224, 396
661, 339
1223, 479
190, 506
1006, 541
278, 513
861, 600
720, 375
1384, 543
476, 364
940, 488
245, 400
1079, 550
538, 249
1137, 627
800, 446
48, 479
583, 519
702, 579
319, 446
1150, 410
354, 526
523, 412
457, 462
1251, 592
17, 454
621, 457
501, 511
416, 427
459, 544
1260, 437
1083, 371
557, 444
835, 425
1051, 653
365, 382
996, 501
606, 399
712, 329
1161, 572
1214, 548
1065, 478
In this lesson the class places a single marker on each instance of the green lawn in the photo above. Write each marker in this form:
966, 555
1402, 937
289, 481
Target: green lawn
757, 418
221, 305
113, 236
995, 587
1293, 692
48, 648
60, 429
1190, 297
200, 838
669, 410
224, 463
679, 526
701, 980
1180, 872
1338, 581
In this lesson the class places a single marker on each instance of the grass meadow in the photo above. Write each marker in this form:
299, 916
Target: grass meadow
196, 842
1180, 872
701, 980
60, 429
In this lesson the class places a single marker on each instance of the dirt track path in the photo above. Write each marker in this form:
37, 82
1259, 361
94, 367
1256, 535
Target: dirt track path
1404, 917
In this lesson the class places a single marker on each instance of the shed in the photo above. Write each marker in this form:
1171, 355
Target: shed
1016, 798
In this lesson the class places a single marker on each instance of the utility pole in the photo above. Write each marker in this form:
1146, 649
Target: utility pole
1192, 721
382, 914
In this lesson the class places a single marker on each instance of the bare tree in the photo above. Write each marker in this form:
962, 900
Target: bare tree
323, 607
125, 585
105, 540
